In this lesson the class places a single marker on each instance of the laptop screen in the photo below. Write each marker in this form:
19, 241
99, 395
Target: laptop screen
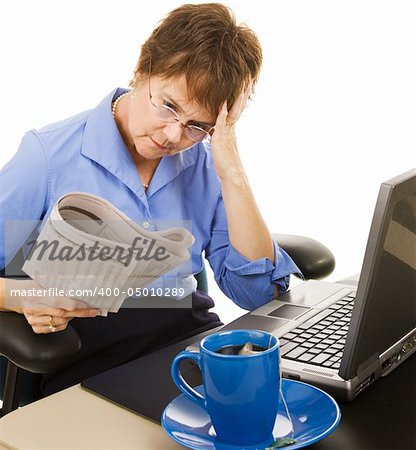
385, 305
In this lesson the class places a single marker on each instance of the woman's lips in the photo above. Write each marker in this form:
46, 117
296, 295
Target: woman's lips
158, 146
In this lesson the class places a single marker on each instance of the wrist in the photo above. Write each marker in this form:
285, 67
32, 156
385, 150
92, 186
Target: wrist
233, 177
10, 294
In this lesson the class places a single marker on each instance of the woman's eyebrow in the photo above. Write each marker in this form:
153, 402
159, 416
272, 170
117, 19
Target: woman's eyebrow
175, 104
171, 100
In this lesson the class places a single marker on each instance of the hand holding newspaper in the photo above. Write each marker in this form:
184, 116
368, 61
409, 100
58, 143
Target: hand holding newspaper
87, 244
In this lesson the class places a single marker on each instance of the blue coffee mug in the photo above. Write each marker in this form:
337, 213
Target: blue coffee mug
241, 391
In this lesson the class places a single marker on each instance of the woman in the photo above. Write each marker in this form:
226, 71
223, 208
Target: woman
165, 150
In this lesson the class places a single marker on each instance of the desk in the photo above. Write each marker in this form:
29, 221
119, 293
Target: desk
383, 417
77, 419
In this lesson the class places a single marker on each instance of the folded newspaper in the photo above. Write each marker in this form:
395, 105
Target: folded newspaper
88, 246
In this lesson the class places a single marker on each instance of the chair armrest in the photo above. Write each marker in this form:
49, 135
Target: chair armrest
38, 353
313, 259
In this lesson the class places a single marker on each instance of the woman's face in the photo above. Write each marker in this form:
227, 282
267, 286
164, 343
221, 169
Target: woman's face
150, 136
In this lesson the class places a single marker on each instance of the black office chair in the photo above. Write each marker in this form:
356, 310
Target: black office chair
28, 355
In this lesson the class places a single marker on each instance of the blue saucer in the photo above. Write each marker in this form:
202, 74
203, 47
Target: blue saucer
315, 414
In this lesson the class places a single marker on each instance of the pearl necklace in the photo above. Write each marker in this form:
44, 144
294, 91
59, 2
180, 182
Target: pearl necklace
116, 102
113, 111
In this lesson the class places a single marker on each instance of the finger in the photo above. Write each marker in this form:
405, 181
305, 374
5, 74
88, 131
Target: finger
222, 116
42, 310
71, 304
46, 321
83, 312
42, 329
47, 324
67, 303
59, 302
240, 104
237, 108
57, 328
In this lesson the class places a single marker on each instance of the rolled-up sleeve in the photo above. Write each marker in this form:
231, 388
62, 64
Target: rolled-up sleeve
248, 283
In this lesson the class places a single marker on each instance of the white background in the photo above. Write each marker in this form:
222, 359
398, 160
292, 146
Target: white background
333, 115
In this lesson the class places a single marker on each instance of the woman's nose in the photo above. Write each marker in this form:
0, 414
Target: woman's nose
173, 132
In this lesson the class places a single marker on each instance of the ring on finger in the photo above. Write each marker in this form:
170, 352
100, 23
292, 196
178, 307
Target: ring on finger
52, 325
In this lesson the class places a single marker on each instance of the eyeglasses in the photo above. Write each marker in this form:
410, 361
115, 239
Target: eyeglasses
168, 114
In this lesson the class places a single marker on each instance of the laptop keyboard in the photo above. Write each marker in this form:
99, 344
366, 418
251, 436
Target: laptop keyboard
321, 339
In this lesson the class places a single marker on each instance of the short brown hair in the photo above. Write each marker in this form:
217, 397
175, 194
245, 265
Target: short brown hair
204, 43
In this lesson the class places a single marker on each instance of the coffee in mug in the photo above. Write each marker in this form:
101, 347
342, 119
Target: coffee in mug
241, 387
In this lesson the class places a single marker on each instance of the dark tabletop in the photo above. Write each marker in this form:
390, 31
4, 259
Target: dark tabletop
382, 417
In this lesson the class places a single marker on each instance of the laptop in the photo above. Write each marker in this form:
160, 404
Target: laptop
343, 337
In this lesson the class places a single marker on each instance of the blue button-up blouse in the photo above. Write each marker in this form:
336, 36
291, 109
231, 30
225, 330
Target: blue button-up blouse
86, 153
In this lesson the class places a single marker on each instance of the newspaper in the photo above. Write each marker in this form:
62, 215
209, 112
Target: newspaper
88, 245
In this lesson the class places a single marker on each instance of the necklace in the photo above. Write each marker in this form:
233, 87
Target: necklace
113, 111
116, 102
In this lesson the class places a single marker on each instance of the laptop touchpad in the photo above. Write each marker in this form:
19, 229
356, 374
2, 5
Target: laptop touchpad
289, 311
252, 322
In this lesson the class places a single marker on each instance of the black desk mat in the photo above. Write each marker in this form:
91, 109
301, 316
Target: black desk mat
144, 385
382, 417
